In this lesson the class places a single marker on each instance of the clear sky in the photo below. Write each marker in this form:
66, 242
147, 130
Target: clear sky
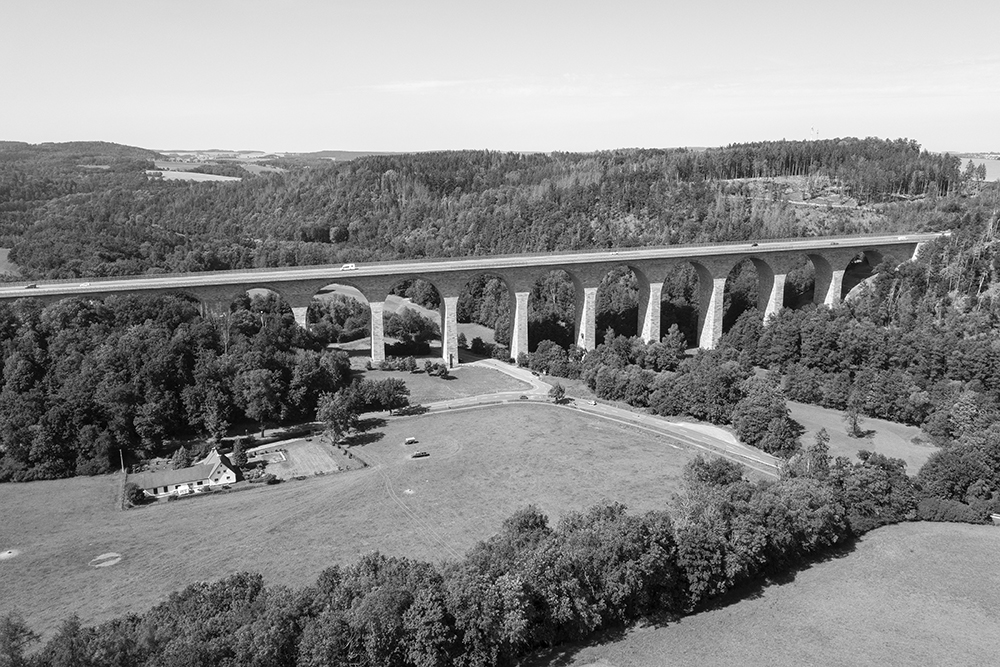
537, 75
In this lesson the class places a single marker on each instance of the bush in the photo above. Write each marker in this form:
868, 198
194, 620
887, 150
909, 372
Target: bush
134, 495
267, 478
500, 352
942, 509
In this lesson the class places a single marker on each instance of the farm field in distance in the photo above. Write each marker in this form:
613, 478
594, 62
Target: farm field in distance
479, 472
909, 594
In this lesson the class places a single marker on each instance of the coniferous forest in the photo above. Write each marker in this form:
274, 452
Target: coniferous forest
82, 379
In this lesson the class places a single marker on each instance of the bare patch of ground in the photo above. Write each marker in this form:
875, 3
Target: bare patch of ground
315, 456
190, 176
7, 267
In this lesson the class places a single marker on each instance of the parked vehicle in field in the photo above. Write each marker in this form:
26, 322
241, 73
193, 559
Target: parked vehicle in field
418, 455
410, 441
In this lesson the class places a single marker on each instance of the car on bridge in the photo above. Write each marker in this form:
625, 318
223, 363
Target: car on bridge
348, 267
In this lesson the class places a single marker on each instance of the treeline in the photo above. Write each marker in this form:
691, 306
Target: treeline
531, 586
915, 346
83, 379
717, 386
868, 169
960, 482
72, 221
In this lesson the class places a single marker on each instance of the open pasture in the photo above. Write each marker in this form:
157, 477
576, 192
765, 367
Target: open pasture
465, 381
887, 438
911, 594
192, 176
479, 471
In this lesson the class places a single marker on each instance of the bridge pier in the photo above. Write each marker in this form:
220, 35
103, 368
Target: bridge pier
301, 314
586, 317
829, 285
449, 330
771, 298
649, 312
377, 329
710, 302
519, 324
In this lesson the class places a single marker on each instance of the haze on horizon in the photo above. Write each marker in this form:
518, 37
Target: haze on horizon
535, 76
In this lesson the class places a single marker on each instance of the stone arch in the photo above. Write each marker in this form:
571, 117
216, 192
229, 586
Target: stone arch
189, 295
396, 307
860, 269
339, 313
557, 298
257, 291
679, 298
741, 296
622, 298
825, 289
800, 275
485, 309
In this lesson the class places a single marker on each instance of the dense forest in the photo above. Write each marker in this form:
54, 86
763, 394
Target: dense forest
84, 379
91, 210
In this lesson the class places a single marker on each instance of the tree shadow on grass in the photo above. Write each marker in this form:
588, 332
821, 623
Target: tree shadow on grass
362, 439
797, 428
561, 656
369, 423
776, 576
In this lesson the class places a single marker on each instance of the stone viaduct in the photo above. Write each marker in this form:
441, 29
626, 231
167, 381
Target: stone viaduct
830, 257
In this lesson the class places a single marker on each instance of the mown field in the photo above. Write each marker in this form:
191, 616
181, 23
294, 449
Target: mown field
479, 471
465, 381
911, 594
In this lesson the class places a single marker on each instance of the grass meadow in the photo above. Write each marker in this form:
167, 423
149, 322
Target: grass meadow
910, 594
479, 471
465, 381
888, 438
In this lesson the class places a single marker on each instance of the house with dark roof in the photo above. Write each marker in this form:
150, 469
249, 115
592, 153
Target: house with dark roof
215, 470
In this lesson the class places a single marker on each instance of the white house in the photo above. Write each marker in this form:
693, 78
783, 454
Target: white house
215, 470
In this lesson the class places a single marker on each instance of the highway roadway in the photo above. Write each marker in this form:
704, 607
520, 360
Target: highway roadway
90, 286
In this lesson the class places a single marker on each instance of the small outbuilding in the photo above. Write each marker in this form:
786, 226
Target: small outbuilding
215, 470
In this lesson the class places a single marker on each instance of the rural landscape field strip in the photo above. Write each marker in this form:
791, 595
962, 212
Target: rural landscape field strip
909, 594
479, 472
